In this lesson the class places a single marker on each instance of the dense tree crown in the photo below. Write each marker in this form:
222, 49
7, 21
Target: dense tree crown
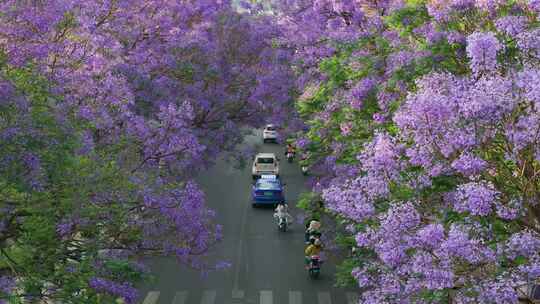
424, 124
421, 118
107, 108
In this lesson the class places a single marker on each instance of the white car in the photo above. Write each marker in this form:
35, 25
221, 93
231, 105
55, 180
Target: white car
270, 133
265, 164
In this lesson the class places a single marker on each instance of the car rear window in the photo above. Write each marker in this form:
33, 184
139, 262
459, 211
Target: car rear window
267, 184
270, 128
265, 160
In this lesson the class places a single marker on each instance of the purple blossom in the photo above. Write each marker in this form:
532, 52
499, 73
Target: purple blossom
431, 235
392, 37
34, 174
88, 144
7, 284
65, 227
455, 38
482, 50
489, 99
401, 217
529, 42
476, 198
523, 132
346, 128
469, 164
433, 277
524, 243
489, 5
507, 213
361, 277
528, 81
532, 271
511, 25
430, 32
431, 117
399, 60
302, 143
534, 5
502, 292
362, 239
378, 118
458, 244
123, 290
360, 91
86, 113
353, 203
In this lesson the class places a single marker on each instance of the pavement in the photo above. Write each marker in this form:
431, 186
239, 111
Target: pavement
267, 265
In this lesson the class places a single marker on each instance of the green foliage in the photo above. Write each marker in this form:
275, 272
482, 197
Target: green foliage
401, 192
441, 184
314, 104
434, 296
344, 278
310, 201
337, 72
407, 19
453, 217
520, 260
37, 251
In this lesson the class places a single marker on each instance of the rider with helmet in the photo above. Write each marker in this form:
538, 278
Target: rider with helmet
312, 229
314, 249
282, 211
290, 149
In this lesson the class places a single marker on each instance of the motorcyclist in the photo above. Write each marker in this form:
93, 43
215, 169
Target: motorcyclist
290, 149
303, 165
314, 248
282, 211
312, 229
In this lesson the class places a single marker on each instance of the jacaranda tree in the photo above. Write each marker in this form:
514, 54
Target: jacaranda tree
107, 109
424, 128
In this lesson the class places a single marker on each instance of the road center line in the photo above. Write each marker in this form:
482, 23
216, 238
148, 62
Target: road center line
240, 247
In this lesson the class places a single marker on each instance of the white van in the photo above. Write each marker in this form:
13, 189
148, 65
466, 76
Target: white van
265, 163
269, 133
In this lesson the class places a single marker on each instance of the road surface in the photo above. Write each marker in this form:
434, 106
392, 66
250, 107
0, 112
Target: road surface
267, 265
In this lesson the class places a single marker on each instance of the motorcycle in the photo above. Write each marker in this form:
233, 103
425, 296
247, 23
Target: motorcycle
283, 223
314, 268
290, 156
304, 170
282, 217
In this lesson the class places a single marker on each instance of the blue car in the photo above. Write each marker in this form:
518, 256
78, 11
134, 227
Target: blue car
267, 190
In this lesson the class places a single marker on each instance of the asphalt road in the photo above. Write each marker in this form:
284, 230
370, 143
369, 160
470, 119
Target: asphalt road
267, 265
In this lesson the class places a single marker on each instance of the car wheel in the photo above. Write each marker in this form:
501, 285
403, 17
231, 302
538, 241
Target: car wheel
254, 205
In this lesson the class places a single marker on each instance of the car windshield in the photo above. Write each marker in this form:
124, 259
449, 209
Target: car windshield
265, 160
270, 128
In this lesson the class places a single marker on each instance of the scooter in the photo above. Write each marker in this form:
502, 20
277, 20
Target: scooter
315, 266
283, 224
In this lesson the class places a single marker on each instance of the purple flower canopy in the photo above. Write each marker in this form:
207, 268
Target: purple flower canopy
426, 138
440, 163
136, 103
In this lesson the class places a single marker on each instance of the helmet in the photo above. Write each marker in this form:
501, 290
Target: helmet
314, 225
317, 242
